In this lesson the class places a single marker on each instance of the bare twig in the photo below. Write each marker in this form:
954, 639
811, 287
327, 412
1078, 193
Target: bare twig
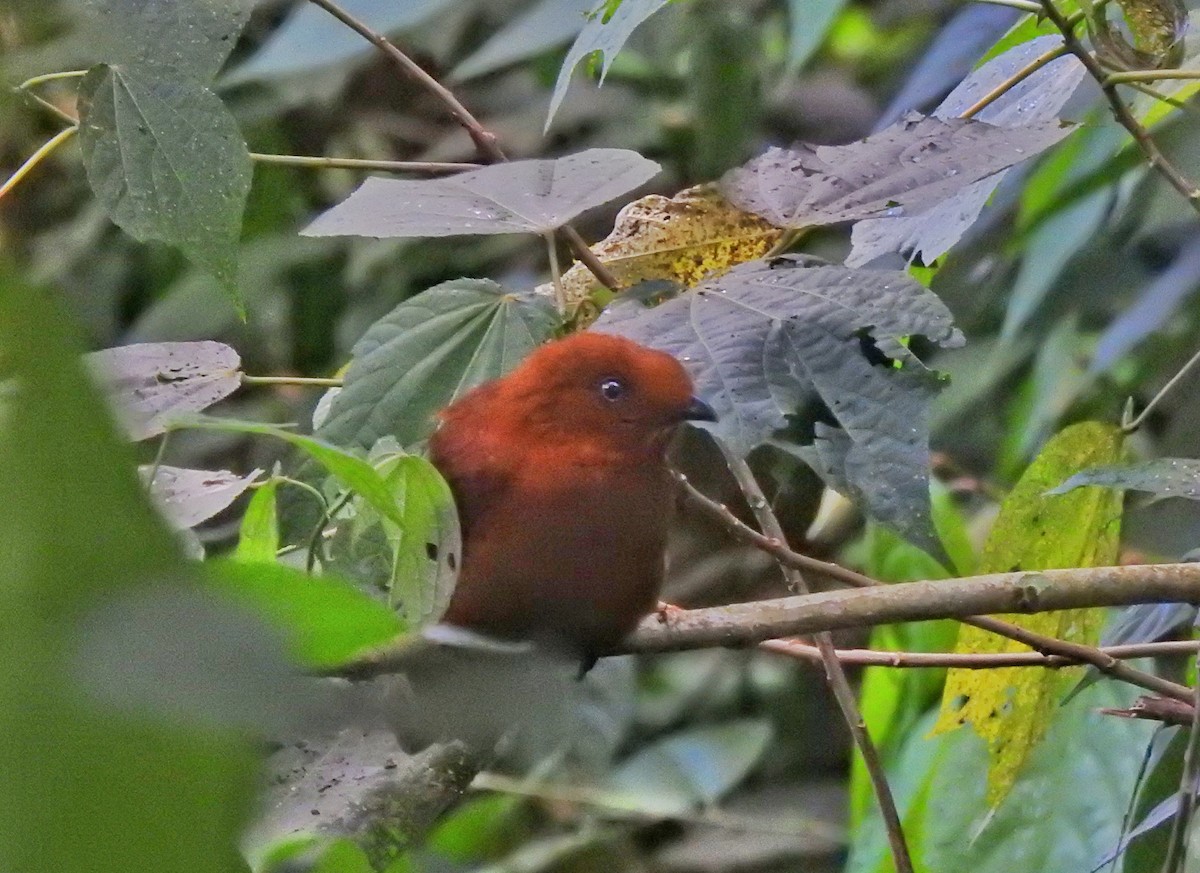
1176, 847
1124, 116
985, 661
834, 672
307, 381
485, 141
1162, 709
1038, 642
1126, 76
1131, 426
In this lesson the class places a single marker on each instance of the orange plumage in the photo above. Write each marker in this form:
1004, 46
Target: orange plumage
561, 480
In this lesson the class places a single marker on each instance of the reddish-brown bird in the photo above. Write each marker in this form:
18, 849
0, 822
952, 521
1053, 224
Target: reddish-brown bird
559, 471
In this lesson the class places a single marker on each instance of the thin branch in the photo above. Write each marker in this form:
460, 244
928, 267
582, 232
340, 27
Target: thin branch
1039, 642
1177, 845
1124, 116
834, 672
363, 164
964, 661
1126, 76
36, 158
485, 141
972, 597
1015, 79
308, 381
1161, 709
1131, 426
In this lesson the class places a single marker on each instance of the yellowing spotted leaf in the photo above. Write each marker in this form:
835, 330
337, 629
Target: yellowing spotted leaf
686, 238
1012, 707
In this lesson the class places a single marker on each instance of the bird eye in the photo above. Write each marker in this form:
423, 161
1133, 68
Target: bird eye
612, 389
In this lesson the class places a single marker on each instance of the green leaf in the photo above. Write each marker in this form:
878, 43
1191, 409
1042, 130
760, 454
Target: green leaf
1012, 707
167, 161
1162, 477
537, 196
258, 540
697, 766
429, 350
355, 473
325, 620
605, 32
810, 22
414, 560
88, 786
542, 26
1063, 813
167, 38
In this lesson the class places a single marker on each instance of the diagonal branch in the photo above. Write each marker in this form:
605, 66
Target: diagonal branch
834, 671
1077, 652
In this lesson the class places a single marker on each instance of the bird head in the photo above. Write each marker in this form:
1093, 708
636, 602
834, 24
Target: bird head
594, 384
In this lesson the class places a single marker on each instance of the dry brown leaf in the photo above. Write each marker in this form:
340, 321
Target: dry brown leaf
694, 235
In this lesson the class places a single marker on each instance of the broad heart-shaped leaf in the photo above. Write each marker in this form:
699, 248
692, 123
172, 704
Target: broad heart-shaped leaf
686, 238
1011, 707
1162, 477
167, 161
429, 350
1037, 99
167, 38
910, 166
187, 497
604, 33
518, 197
769, 334
148, 382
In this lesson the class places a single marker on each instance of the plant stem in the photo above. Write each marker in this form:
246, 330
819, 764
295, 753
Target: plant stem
1177, 845
311, 381
965, 661
1015, 79
36, 158
1131, 426
834, 672
1122, 113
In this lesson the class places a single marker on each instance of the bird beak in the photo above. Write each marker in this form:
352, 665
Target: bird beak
698, 410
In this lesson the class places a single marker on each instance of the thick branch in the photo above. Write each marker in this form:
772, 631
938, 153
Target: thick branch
745, 624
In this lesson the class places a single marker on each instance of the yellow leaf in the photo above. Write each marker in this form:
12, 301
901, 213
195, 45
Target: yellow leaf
686, 238
1011, 707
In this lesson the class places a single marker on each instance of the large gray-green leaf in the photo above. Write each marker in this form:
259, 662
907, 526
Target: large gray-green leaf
539, 28
312, 38
167, 161
605, 34
518, 197
912, 165
768, 334
1162, 477
429, 350
149, 382
1037, 99
169, 38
